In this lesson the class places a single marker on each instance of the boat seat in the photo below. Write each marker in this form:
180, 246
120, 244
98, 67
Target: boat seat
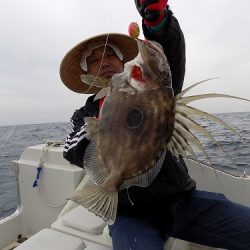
83, 224
92, 246
48, 239
81, 219
89, 227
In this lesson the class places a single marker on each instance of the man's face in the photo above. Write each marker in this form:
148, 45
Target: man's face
107, 67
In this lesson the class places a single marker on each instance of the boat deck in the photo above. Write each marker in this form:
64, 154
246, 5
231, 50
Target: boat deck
46, 218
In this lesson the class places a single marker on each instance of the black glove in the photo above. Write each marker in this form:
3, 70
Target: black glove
152, 11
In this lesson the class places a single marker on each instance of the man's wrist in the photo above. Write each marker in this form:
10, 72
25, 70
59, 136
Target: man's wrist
160, 26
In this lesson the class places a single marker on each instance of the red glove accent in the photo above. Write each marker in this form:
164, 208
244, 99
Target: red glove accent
161, 8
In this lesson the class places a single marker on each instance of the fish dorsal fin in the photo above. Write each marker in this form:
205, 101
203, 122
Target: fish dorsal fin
92, 165
147, 177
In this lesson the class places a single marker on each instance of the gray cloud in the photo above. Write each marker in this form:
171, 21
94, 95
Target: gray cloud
36, 35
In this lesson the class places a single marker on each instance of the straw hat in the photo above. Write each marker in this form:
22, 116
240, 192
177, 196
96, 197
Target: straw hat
70, 69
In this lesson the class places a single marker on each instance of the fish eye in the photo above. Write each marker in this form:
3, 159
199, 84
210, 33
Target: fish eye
134, 118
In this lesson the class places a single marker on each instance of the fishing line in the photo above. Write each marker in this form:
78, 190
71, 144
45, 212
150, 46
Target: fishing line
37, 182
8, 136
132, 203
99, 69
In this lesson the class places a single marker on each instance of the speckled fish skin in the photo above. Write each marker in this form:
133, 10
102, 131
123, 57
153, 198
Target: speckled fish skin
135, 126
129, 140
133, 132
140, 120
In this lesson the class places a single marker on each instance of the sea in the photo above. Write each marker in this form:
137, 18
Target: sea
234, 157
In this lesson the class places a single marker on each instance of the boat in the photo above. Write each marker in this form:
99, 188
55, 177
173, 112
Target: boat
44, 219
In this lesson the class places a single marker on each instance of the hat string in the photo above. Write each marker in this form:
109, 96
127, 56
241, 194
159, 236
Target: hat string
98, 72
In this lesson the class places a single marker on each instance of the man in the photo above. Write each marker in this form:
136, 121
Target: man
170, 206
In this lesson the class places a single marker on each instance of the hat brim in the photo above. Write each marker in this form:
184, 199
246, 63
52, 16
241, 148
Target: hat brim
70, 69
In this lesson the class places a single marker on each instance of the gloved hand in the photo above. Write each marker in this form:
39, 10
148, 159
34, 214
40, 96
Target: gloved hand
152, 11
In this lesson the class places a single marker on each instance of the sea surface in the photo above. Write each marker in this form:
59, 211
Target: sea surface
234, 159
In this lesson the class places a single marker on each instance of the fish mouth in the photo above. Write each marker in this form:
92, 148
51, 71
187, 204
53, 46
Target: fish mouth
153, 63
149, 51
143, 47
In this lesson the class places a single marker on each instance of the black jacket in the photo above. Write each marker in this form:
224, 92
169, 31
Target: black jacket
173, 180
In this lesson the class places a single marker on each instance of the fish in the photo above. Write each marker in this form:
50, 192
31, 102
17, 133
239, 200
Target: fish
140, 120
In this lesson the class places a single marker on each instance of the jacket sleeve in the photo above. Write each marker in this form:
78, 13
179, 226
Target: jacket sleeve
76, 142
171, 37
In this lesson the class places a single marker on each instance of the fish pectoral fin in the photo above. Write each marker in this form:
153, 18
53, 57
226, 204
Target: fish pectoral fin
101, 202
91, 127
96, 81
102, 93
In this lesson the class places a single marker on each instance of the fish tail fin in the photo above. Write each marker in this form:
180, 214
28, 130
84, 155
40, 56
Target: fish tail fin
97, 200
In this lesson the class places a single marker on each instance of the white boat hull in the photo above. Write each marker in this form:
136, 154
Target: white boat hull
41, 206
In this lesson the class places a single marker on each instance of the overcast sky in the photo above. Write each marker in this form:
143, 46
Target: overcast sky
36, 34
